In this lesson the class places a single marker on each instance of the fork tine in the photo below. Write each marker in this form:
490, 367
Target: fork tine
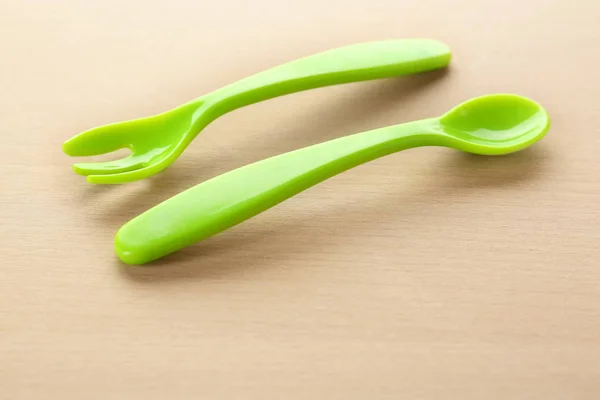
125, 164
100, 140
131, 175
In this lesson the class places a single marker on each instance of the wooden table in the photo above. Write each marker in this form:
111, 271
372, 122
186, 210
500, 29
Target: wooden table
428, 274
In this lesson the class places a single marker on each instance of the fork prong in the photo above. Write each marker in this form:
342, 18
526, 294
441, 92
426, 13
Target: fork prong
122, 177
147, 170
101, 140
125, 164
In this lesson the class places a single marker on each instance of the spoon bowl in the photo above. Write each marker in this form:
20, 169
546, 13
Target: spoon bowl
495, 124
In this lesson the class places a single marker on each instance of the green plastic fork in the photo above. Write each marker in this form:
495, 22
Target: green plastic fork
157, 141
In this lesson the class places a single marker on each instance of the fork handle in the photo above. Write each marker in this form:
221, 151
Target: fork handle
354, 63
235, 196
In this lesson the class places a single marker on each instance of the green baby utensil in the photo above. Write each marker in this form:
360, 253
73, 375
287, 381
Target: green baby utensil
489, 125
157, 141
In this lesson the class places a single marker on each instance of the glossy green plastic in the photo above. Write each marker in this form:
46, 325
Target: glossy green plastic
157, 141
488, 125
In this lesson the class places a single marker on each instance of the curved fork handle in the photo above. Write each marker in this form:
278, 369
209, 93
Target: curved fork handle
354, 63
235, 196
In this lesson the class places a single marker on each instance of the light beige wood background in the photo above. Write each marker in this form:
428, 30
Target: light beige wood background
424, 275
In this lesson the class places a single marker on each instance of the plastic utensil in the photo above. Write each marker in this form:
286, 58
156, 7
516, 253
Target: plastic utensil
488, 125
157, 141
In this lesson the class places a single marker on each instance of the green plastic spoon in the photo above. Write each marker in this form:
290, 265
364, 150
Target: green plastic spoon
157, 141
488, 125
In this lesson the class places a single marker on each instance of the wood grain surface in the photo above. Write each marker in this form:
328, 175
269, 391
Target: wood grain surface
427, 274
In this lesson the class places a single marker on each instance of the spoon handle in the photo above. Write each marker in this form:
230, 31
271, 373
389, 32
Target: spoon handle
354, 63
233, 197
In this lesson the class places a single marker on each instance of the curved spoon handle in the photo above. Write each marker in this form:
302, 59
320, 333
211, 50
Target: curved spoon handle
354, 63
235, 196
